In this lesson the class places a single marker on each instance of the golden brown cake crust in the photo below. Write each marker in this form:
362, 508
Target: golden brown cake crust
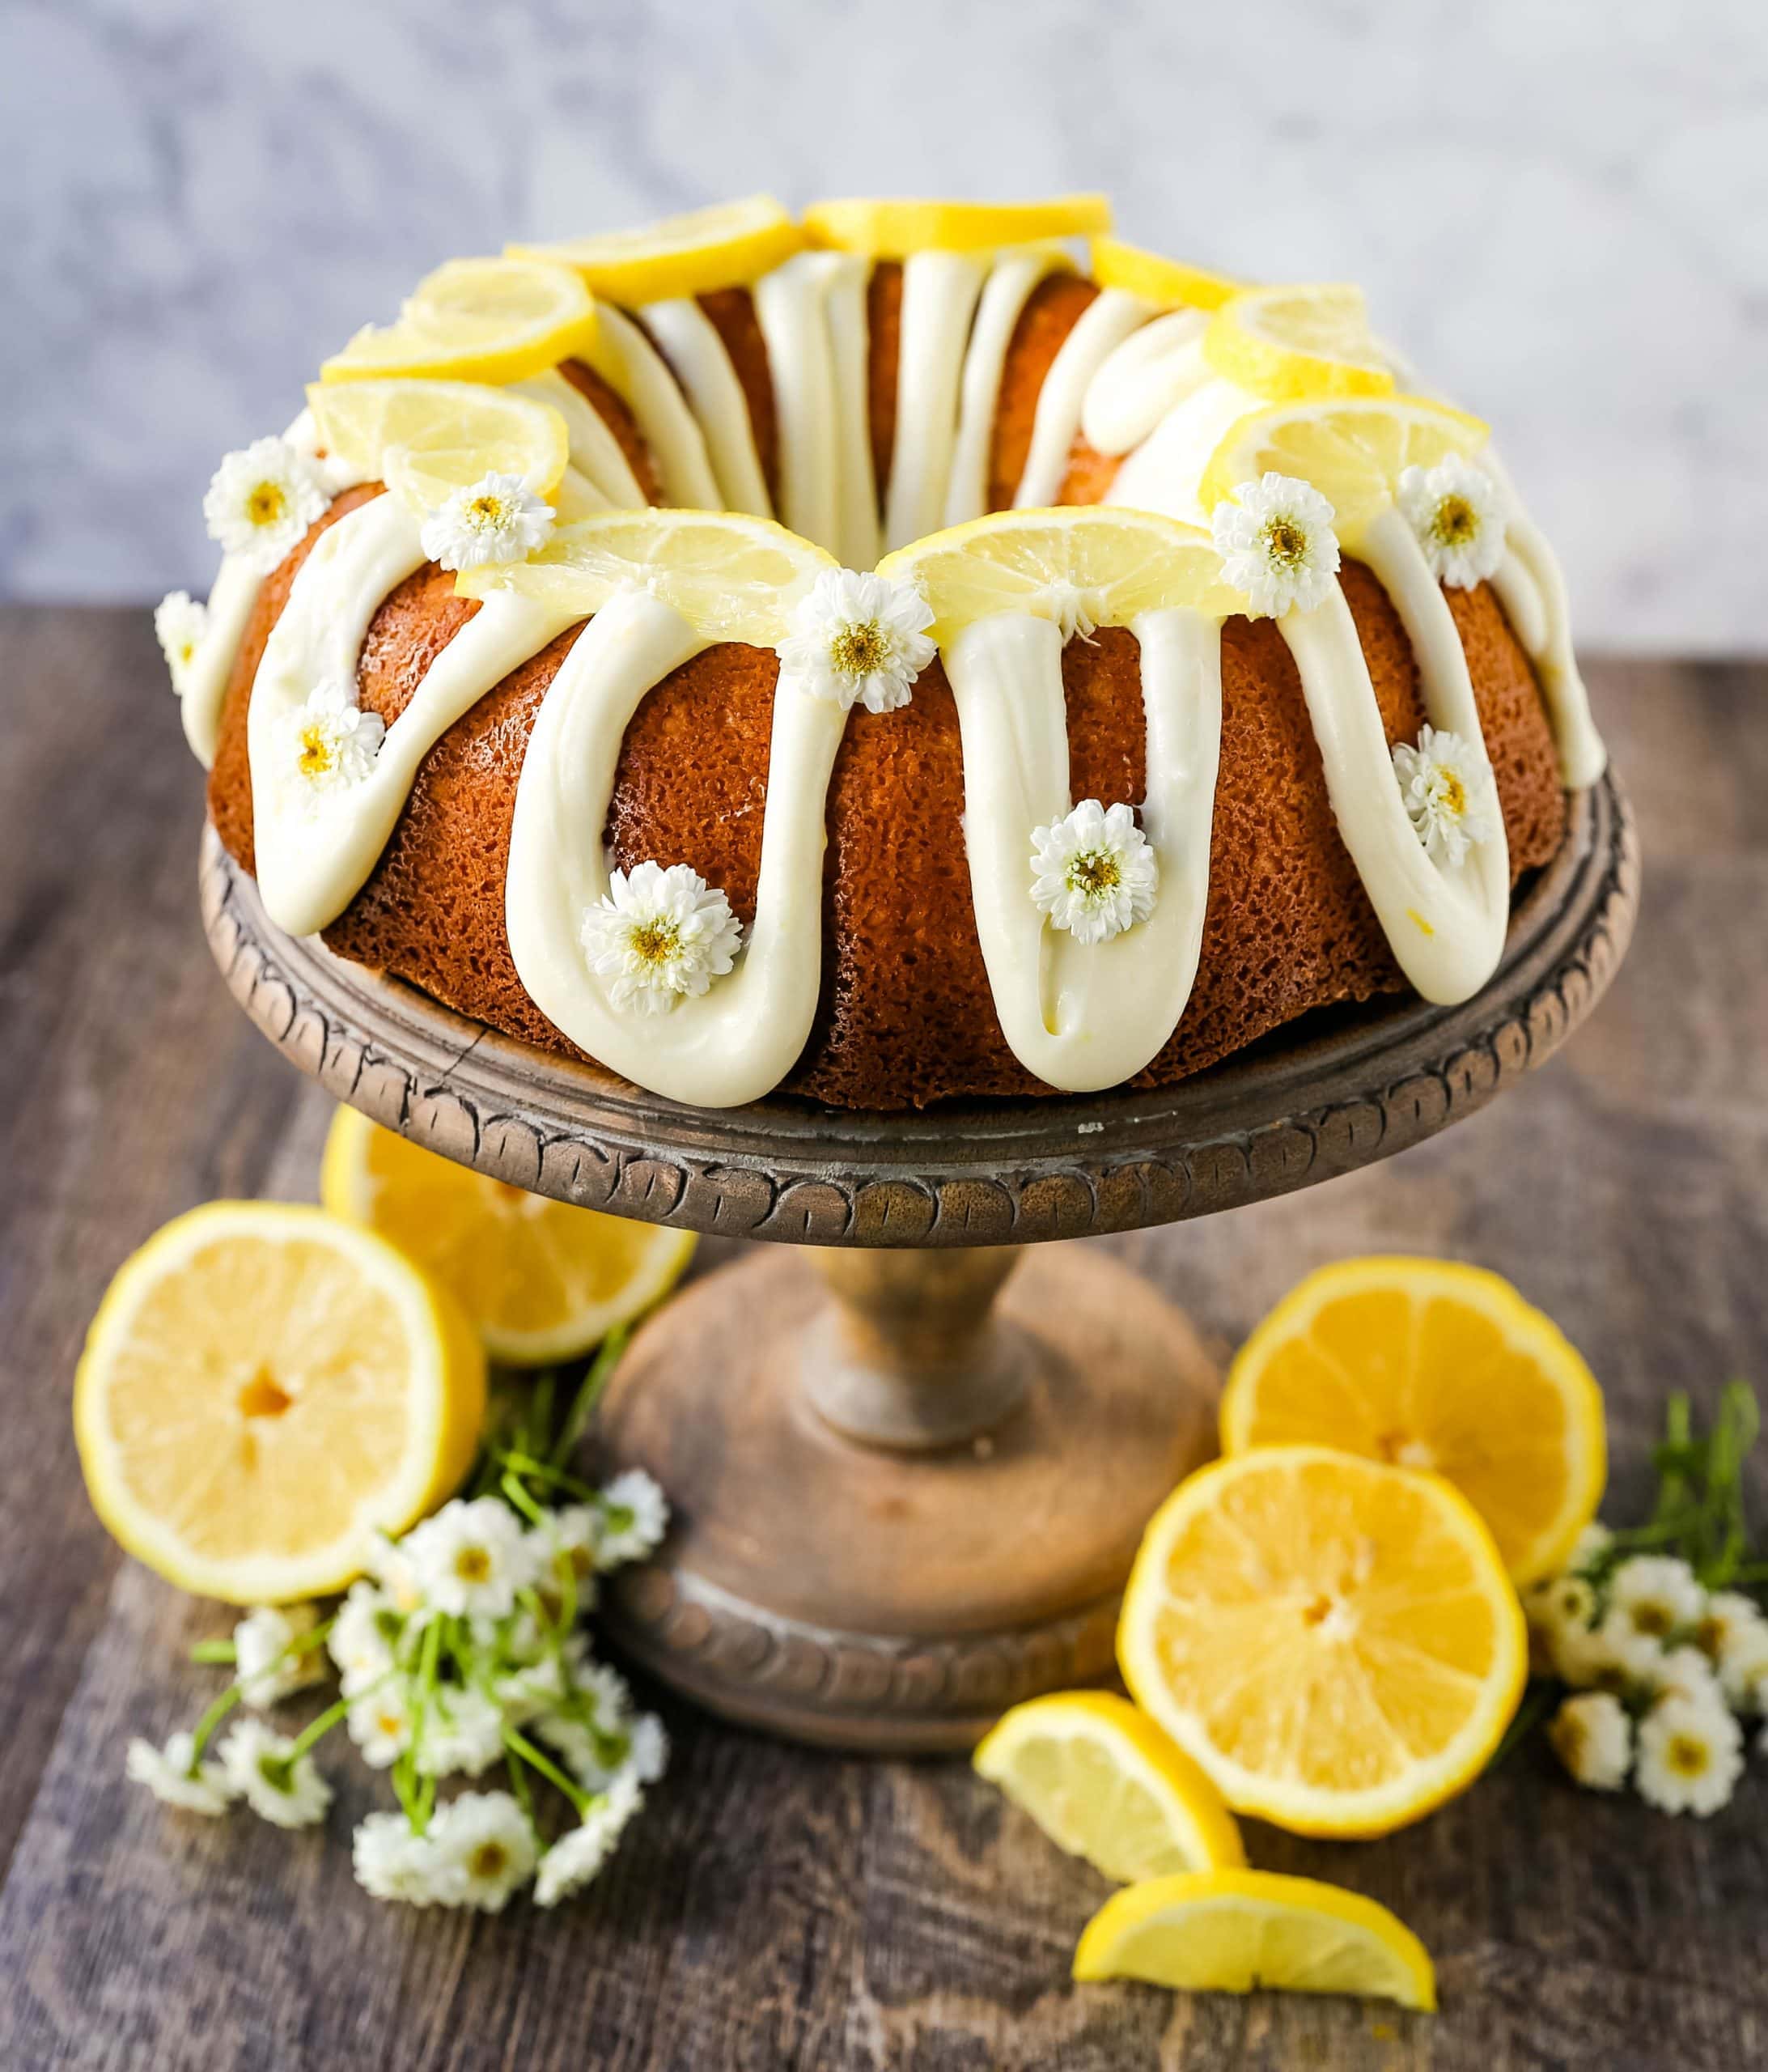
732, 313
615, 413
1052, 310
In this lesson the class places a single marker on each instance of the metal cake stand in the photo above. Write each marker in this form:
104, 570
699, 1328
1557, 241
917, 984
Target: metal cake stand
911, 1469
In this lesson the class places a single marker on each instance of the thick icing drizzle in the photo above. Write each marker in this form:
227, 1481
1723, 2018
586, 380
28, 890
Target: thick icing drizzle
1110, 318
697, 353
595, 453
628, 360
939, 294
1005, 294
812, 384
1151, 373
736, 1041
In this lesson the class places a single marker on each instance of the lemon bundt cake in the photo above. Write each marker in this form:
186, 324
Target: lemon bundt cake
878, 658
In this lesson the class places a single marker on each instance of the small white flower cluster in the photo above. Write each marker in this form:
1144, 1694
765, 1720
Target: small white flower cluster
1660, 1669
498, 518
858, 639
262, 500
1457, 513
180, 625
1094, 871
1448, 791
658, 936
1277, 544
460, 1649
331, 742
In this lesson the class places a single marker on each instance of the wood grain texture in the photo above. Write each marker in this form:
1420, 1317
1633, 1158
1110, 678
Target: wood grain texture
778, 1908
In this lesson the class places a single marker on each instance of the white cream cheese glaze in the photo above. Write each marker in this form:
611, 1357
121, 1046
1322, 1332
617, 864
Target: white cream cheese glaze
626, 359
595, 453
811, 382
1005, 294
1153, 371
692, 345
1164, 472
939, 294
1104, 324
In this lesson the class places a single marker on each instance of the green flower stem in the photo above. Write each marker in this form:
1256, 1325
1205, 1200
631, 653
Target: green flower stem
424, 1789
214, 1652
532, 1470
518, 1784
316, 1730
212, 1719
519, 1500
583, 1408
519, 1744
1538, 1701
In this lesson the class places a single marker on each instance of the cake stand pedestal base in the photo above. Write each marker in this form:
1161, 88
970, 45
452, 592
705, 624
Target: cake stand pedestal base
907, 1489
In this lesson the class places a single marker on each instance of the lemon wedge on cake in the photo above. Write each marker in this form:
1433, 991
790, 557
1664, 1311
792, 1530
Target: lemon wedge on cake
728, 245
428, 439
540, 1280
264, 1387
1170, 283
1286, 342
1238, 1931
1334, 1642
892, 229
476, 320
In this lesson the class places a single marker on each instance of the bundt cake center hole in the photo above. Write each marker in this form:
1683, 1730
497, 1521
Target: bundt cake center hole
263, 1396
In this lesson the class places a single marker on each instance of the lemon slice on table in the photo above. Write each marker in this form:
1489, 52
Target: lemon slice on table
1335, 1641
264, 1387
731, 578
1169, 282
729, 245
1353, 450
1104, 1782
1430, 1363
542, 1280
425, 440
1084, 566
1311, 340
476, 320
893, 229
1238, 1931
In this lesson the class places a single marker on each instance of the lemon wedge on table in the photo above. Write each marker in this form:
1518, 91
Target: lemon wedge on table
892, 229
1104, 1782
1099, 562
732, 577
1169, 282
1236, 1931
1353, 450
428, 439
476, 320
1334, 1642
1288, 341
729, 245
1431, 1364
264, 1387
541, 1280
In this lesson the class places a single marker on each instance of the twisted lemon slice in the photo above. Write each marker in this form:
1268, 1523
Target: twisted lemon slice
476, 320
1312, 340
1169, 282
893, 229
725, 246
731, 578
428, 439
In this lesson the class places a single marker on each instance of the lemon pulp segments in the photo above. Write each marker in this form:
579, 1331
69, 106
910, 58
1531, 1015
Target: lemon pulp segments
476, 320
432, 438
1286, 342
728, 245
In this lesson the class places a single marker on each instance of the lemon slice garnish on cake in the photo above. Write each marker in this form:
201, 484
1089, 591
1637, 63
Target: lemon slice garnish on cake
542, 1280
732, 578
1431, 1364
1169, 282
892, 229
476, 320
1310, 340
262, 1388
1335, 1641
1241, 1931
425, 440
1104, 1782
1083, 567
1353, 450
728, 245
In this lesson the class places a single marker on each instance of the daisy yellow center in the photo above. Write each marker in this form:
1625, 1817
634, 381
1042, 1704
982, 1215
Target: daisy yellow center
1285, 541
655, 941
1688, 1756
1710, 1636
319, 751
267, 505
487, 510
473, 1564
488, 1861
859, 648
1455, 523
1452, 793
1095, 873
1655, 1619
1574, 1738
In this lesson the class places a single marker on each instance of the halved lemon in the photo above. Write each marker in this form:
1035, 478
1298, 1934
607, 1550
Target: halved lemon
893, 229
1335, 1641
1308, 340
732, 578
427, 438
728, 245
1353, 450
1104, 1782
1095, 563
542, 1280
476, 320
1431, 1364
1241, 1931
262, 1388
1169, 282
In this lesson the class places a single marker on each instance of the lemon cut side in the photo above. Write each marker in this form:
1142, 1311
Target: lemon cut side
425, 440
729, 245
476, 320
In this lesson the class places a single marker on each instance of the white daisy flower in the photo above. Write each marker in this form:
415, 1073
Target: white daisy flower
1458, 515
635, 1516
332, 743
1690, 1756
858, 639
362, 1640
180, 623
498, 519
471, 1559
390, 1567
169, 1774
380, 1723
1733, 1634
1657, 1594
1559, 1603
484, 1850
647, 1753
1589, 1546
1684, 1672
575, 1858
265, 1670
1277, 544
287, 1793
1094, 871
463, 1734
565, 1542
261, 501
659, 936
1446, 784
535, 1687
1593, 1736
393, 1863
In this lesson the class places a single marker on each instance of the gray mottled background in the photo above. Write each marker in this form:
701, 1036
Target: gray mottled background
1560, 209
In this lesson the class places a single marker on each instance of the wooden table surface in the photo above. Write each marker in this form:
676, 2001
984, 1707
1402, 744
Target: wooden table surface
776, 1908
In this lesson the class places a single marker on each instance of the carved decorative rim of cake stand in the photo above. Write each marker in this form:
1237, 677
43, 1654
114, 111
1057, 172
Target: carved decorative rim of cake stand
1293, 1110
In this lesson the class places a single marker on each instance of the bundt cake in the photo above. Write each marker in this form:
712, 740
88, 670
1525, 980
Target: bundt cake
878, 658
